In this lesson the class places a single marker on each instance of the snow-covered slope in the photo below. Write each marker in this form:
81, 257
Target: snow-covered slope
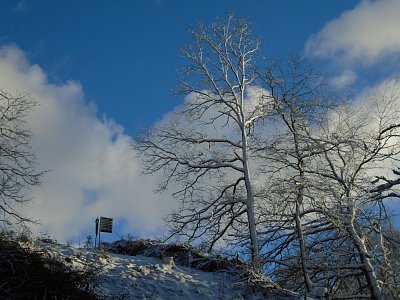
141, 277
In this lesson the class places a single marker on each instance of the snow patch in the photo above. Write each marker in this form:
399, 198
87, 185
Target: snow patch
158, 276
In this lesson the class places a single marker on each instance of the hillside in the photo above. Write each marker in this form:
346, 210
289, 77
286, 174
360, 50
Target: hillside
150, 275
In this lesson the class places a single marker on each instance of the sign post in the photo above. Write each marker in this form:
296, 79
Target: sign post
97, 232
105, 226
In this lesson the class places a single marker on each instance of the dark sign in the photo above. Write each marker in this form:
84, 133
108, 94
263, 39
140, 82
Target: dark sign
105, 224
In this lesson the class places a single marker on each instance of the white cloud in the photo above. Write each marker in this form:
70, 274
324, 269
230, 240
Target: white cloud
345, 79
365, 34
94, 170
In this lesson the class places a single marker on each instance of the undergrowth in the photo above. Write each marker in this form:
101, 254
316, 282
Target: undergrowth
26, 273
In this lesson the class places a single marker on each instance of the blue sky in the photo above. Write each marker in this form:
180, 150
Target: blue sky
103, 70
126, 54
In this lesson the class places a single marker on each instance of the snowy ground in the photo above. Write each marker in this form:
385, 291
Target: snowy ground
142, 277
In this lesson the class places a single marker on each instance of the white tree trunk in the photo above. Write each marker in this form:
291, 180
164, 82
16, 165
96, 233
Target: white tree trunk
303, 254
369, 272
255, 255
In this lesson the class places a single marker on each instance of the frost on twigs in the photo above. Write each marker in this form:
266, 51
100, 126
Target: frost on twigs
256, 283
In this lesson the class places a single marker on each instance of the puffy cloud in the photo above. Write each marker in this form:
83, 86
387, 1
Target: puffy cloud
364, 34
93, 168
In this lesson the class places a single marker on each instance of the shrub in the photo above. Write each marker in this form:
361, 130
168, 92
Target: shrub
31, 274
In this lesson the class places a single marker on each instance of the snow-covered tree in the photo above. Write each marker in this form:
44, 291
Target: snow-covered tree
323, 206
297, 93
359, 144
204, 147
274, 161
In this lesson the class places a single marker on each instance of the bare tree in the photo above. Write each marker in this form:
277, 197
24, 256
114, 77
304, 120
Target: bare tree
357, 144
204, 146
299, 101
274, 163
17, 160
323, 209
385, 238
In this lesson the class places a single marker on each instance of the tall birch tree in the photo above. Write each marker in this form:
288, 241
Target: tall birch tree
203, 148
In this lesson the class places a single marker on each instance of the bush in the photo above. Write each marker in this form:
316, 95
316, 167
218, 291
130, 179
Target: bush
31, 274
